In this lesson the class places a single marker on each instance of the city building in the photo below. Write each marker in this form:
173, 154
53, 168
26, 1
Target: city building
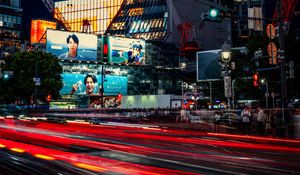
92, 16
173, 31
10, 25
177, 22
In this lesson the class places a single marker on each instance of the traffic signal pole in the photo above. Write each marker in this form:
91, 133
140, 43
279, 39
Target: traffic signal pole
281, 54
282, 59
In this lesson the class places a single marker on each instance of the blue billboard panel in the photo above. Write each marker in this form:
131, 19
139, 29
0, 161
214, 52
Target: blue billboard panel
76, 83
72, 46
125, 50
208, 68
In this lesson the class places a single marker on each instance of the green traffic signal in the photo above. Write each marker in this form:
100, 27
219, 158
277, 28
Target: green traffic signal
5, 76
213, 13
216, 14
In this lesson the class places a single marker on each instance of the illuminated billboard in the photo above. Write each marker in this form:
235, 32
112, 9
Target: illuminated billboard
38, 29
124, 50
72, 46
76, 83
99, 13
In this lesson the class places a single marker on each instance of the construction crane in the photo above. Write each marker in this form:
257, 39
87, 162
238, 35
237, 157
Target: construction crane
57, 14
188, 41
288, 7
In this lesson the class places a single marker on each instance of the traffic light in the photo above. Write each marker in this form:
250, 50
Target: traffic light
216, 15
213, 13
119, 97
6, 75
255, 79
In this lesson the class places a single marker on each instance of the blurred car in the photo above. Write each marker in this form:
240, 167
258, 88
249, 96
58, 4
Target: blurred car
55, 119
230, 117
97, 121
10, 111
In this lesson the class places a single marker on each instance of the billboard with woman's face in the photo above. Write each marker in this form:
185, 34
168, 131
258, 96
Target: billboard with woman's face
72, 46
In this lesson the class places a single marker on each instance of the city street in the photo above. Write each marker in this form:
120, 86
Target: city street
139, 149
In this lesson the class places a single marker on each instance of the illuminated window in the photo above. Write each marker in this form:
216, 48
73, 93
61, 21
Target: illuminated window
74, 11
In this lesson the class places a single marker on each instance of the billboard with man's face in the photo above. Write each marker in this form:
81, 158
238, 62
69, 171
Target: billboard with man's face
113, 85
72, 46
124, 50
87, 79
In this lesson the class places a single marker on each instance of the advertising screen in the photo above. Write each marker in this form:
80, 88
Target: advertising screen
72, 46
208, 68
125, 50
76, 83
38, 29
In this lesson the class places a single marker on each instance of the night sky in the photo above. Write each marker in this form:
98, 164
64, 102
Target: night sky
33, 9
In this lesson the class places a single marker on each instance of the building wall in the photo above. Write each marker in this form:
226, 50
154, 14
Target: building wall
98, 12
208, 35
240, 27
10, 25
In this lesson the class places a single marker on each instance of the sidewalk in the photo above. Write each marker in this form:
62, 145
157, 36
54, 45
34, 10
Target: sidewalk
199, 126
235, 128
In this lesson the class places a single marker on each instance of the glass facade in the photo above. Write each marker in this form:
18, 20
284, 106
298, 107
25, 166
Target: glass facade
10, 25
97, 13
145, 19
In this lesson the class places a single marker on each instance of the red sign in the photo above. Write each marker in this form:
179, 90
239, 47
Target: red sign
38, 29
271, 32
272, 49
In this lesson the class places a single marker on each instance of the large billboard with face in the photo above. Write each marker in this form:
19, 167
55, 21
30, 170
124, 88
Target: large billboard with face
72, 46
124, 50
38, 29
86, 79
90, 84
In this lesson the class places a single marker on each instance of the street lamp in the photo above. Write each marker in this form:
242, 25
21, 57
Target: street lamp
226, 52
226, 56
264, 81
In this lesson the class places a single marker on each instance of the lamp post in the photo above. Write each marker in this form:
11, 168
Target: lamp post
210, 93
226, 56
226, 52
263, 81
102, 86
233, 95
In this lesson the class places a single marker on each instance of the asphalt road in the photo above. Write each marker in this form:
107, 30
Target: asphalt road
114, 148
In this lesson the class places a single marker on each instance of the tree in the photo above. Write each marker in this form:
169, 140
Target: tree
243, 73
28, 65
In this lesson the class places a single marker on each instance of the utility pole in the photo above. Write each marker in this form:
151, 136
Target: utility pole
281, 54
210, 93
102, 86
282, 59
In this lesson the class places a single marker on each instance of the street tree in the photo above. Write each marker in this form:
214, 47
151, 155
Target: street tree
31, 75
